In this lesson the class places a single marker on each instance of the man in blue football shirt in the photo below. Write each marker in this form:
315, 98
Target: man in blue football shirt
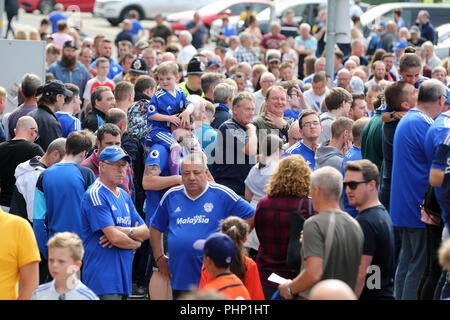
310, 128
59, 190
111, 229
191, 212
409, 182
71, 106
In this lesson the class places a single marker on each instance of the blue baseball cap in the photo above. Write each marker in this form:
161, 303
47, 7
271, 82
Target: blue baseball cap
212, 62
399, 45
382, 23
114, 154
218, 246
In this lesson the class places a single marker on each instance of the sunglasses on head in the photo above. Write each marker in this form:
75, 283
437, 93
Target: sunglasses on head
353, 184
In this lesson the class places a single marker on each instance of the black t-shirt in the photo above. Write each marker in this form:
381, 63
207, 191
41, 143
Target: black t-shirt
161, 31
378, 243
13, 153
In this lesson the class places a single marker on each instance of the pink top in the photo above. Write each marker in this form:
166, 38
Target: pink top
60, 38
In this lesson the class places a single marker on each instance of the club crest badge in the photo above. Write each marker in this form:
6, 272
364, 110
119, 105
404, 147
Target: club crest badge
208, 207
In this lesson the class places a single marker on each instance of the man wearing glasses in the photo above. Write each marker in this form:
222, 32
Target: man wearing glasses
376, 272
109, 135
111, 229
310, 129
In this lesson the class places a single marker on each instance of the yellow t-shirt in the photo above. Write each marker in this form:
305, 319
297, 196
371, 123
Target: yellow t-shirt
18, 247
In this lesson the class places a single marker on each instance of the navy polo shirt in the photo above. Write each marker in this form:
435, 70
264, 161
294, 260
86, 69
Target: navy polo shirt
232, 165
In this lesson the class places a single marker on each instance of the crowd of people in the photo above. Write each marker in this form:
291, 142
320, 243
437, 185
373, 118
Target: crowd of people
172, 169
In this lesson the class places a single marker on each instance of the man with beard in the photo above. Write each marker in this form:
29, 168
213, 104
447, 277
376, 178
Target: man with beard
69, 69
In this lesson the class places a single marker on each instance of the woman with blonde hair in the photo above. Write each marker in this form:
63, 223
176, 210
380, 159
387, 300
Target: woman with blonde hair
242, 266
288, 185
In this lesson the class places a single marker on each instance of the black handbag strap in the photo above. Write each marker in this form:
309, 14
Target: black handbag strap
301, 204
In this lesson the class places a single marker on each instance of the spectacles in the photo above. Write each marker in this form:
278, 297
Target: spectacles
310, 124
293, 95
116, 165
353, 184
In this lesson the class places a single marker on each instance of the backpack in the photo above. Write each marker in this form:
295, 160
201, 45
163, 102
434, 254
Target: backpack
137, 119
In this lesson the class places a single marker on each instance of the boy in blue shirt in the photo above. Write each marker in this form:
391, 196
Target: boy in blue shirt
71, 106
162, 111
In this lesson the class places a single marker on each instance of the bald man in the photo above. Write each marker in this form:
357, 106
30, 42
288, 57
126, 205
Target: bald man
343, 78
20, 149
332, 289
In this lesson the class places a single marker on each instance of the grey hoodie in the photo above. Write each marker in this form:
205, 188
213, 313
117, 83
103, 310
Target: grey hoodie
328, 156
326, 118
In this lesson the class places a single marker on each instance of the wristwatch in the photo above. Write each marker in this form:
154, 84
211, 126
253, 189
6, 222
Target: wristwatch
392, 115
288, 289
130, 233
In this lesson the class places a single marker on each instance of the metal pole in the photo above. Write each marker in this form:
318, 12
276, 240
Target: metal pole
2, 11
331, 38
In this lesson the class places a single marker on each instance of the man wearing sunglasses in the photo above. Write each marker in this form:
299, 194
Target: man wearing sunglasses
377, 261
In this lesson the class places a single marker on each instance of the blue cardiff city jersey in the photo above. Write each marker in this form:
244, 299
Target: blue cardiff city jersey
106, 270
163, 102
302, 149
188, 220
68, 122
410, 170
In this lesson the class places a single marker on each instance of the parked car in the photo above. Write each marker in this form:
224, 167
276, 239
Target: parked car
305, 11
439, 14
442, 48
214, 11
46, 6
115, 11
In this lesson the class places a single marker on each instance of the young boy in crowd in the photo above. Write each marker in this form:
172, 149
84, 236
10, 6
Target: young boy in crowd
65, 252
163, 106
100, 80
71, 107
218, 253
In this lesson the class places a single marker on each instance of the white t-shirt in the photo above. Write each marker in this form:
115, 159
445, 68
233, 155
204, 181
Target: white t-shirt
186, 54
312, 101
47, 291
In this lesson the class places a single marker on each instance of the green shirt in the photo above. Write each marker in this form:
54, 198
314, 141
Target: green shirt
371, 140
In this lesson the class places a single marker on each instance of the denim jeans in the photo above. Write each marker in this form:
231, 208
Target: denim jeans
411, 263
